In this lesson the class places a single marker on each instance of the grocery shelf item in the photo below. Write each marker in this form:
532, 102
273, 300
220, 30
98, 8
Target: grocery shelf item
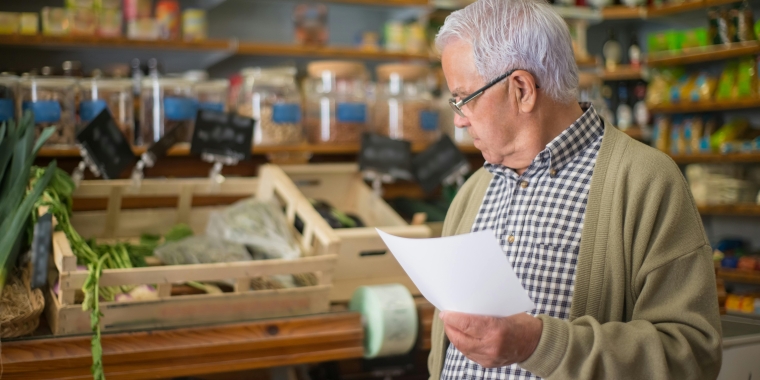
310, 21
168, 19
167, 103
8, 100
270, 96
55, 21
713, 184
52, 101
194, 25
404, 108
9, 22
336, 102
115, 95
28, 24
212, 94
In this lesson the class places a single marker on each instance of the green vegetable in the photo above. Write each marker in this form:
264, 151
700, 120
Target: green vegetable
17, 152
178, 232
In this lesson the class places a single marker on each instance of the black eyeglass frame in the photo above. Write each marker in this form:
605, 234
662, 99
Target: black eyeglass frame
457, 106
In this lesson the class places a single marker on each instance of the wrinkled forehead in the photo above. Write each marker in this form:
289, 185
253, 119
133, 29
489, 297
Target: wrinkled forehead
458, 63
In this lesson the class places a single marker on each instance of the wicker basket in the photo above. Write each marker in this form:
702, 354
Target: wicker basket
24, 318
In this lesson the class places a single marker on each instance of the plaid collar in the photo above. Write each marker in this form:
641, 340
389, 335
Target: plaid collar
565, 147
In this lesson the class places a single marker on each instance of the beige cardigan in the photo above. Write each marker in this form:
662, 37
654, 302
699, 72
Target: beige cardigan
645, 303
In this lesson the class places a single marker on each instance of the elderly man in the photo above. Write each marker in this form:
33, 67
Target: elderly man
601, 230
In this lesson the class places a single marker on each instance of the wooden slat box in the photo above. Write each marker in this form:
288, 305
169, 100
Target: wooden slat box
363, 257
318, 242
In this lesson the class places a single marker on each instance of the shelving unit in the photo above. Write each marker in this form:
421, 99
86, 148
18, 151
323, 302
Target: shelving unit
704, 54
707, 106
621, 12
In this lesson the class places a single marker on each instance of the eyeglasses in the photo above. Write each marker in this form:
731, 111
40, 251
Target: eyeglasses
457, 106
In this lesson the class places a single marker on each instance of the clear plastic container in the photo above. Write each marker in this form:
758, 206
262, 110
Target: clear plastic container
167, 103
270, 97
52, 101
8, 100
404, 109
460, 136
116, 95
212, 94
336, 102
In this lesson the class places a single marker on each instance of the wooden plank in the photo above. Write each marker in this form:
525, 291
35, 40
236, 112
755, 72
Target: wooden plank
707, 106
344, 52
732, 210
622, 12
736, 158
81, 42
704, 54
191, 351
622, 72
201, 272
744, 277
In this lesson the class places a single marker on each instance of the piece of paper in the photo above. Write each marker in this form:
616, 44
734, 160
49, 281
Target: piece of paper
464, 273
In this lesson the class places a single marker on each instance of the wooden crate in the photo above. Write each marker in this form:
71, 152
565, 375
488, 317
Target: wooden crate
318, 243
363, 259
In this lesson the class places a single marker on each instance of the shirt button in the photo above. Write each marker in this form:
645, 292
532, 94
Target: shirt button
511, 239
552, 172
524, 184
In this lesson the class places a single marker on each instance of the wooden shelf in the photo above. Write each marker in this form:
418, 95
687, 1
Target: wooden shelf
707, 106
232, 46
736, 158
114, 43
745, 277
731, 210
622, 72
388, 3
621, 12
670, 9
191, 351
704, 54
252, 48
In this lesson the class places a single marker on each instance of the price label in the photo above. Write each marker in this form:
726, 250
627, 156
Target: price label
106, 146
386, 155
163, 145
222, 134
41, 244
437, 163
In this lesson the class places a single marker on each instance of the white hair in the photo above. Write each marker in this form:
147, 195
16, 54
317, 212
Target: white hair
517, 34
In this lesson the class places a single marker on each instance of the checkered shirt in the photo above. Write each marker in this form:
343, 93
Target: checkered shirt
537, 218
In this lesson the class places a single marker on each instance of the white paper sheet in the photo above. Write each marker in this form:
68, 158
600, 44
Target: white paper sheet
464, 273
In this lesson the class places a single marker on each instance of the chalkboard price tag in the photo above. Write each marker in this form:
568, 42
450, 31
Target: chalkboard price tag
41, 244
438, 162
222, 134
106, 146
386, 156
163, 144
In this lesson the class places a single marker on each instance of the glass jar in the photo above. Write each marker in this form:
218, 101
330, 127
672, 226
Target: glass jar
336, 102
116, 95
8, 100
167, 103
52, 101
460, 136
404, 109
271, 98
212, 94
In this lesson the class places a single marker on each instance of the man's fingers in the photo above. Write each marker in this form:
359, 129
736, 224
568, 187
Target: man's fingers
461, 341
473, 325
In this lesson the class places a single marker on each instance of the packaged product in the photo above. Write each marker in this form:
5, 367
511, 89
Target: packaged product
727, 88
728, 133
746, 81
661, 133
704, 88
29, 24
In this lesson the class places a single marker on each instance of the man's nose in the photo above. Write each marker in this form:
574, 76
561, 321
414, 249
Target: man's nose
460, 121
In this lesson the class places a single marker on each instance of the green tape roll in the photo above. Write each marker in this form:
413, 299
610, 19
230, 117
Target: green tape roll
390, 319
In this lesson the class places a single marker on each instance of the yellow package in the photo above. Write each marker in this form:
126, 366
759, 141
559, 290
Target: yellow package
657, 92
683, 92
9, 22
704, 88
728, 133
661, 133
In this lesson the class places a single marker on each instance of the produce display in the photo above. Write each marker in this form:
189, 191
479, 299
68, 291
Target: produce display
201, 250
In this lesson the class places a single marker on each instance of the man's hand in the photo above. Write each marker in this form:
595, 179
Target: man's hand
493, 342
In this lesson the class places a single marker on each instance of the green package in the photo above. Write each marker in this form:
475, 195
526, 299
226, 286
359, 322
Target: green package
693, 38
657, 42
727, 82
675, 39
746, 78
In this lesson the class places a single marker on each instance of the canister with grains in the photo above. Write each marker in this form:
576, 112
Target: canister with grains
52, 101
270, 96
336, 102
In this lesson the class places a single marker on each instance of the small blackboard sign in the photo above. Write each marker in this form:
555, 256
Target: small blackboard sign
163, 144
106, 145
437, 162
222, 134
386, 156
41, 244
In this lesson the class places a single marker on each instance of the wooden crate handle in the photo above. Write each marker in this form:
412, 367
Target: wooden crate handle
184, 204
112, 211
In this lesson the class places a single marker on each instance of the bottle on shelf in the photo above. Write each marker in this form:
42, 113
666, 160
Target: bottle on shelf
640, 110
623, 113
137, 76
634, 52
612, 52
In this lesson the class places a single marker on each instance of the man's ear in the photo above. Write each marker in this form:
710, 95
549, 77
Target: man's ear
523, 88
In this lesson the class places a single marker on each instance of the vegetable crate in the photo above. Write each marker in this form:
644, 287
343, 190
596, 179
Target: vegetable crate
363, 259
195, 200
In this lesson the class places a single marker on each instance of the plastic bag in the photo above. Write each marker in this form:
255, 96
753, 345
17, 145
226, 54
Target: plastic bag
201, 250
261, 226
